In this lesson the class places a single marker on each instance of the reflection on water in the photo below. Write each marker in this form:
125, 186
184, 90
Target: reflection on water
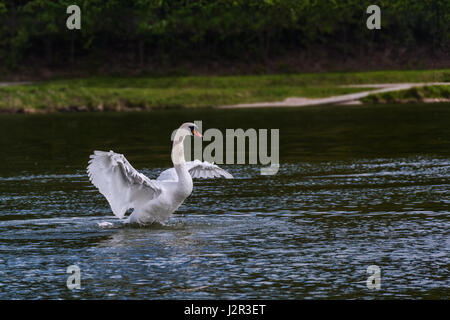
356, 187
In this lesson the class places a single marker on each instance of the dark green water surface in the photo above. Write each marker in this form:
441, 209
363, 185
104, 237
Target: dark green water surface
357, 186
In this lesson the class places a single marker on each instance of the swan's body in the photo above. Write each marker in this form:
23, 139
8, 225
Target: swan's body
152, 200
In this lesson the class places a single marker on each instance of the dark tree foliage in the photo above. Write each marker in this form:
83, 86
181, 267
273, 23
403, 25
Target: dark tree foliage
163, 31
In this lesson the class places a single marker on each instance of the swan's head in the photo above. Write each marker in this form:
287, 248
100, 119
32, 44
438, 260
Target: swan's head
186, 129
192, 129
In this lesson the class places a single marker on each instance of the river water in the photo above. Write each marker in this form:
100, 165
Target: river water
357, 186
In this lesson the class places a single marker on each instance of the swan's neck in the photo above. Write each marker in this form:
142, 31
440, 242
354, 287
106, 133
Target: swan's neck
179, 163
178, 151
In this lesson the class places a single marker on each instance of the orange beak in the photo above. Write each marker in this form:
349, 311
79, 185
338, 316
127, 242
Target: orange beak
198, 134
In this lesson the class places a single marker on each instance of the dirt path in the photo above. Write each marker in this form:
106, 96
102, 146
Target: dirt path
10, 84
352, 98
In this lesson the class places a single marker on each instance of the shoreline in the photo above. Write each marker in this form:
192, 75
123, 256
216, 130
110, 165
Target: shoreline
95, 110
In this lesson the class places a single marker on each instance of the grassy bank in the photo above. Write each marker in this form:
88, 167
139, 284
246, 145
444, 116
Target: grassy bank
114, 93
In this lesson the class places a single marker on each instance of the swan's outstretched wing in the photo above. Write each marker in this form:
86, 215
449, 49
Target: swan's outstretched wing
121, 184
197, 169
204, 169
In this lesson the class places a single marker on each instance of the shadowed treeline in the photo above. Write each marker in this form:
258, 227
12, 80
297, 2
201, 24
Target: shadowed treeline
283, 35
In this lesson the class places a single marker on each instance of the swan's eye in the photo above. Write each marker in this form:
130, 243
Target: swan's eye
192, 129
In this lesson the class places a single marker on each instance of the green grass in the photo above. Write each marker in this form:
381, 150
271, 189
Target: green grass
419, 94
194, 91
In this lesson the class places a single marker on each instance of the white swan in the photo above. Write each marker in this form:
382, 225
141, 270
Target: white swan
152, 200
